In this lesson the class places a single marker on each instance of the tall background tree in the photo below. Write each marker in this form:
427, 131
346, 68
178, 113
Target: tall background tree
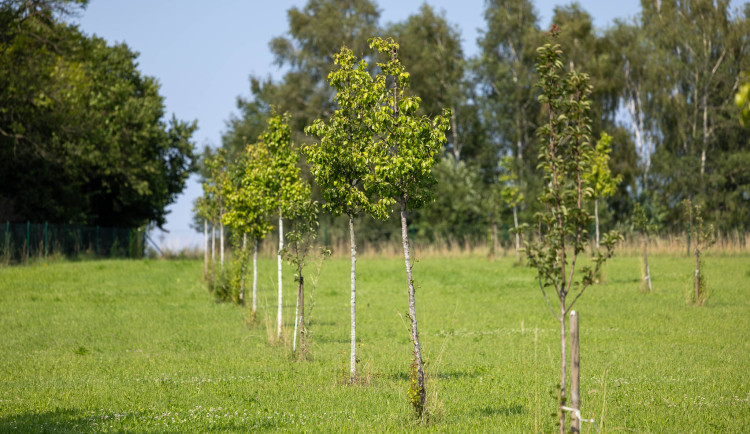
83, 134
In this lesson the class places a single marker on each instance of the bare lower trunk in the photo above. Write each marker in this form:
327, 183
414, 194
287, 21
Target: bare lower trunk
697, 275
413, 311
278, 257
596, 217
494, 241
243, 267
221, 243
255, 277
645, 263
575, 372
213, 253
518, 236
296, 322
562, 366
353, 348
205, 249
299, 315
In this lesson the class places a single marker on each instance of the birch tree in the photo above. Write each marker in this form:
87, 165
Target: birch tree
285, 183
343, 161
250, 206
407, 147
565, 157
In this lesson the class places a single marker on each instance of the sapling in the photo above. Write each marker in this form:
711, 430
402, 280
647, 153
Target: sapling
703, 237
408, 147
565, 158
600, 177
303, 217
343, 161
640, 223
250, 205
286, 184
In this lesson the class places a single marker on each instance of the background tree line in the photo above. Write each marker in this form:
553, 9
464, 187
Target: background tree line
663, 90
83, 134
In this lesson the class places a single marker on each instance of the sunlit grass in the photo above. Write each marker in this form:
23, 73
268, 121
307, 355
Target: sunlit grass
141, 346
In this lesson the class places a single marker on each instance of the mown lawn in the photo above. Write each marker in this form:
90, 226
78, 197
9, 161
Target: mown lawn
140, 346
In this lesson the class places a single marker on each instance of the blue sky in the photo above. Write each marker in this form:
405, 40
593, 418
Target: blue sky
203, 53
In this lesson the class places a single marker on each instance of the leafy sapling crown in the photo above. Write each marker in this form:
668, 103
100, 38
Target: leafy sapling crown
343, 162
409, 143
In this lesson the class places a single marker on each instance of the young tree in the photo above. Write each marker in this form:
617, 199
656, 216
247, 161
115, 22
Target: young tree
565, 157
303, 216
407, 148
703, 237
600, 177
640, 223
343, 161
285, 183
250, 205
512, 196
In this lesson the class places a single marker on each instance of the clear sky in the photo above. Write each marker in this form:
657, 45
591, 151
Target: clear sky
203, 52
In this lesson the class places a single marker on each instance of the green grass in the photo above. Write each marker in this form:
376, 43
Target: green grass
140, 346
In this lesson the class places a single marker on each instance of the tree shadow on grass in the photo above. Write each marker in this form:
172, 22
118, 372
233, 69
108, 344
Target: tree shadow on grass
61, 420
508, 410
73, 421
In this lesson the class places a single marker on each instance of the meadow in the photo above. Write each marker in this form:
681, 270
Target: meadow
141, 346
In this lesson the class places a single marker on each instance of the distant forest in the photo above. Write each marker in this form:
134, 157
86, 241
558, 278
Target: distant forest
664, 87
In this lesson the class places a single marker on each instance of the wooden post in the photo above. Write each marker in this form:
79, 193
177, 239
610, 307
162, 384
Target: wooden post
575, 373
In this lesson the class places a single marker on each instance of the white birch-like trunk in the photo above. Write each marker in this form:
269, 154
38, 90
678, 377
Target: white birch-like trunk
213, 253
221, 242
243, 257
278, 257
353, 304
255, 277
205, 249
645, 263
412, 308
518, 236
296, 319
596, 218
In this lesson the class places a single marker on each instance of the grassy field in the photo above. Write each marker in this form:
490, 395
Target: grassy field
140, 346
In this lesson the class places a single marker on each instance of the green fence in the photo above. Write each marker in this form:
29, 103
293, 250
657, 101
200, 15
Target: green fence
26, 241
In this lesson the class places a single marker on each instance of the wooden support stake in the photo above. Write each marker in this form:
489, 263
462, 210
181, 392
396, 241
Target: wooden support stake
575, 374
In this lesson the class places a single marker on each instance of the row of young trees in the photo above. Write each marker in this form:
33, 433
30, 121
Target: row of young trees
374, 152
664, 85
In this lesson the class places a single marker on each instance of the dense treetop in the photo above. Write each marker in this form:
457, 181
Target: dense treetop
83, 134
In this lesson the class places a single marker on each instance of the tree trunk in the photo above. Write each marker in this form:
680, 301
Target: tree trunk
562, 366
494, 241
299, 321
645, 262
412, 309
596, 217
205, 249
221, 240
278, 257
575, 371
353, 303
697, 275
243, 258
255, 277
296, 322
213, 253
518, 236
